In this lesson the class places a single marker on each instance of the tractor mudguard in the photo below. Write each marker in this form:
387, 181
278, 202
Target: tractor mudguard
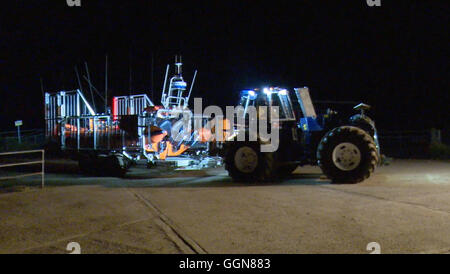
368, 125
364, 122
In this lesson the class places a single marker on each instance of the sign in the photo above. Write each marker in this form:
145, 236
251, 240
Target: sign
18, 123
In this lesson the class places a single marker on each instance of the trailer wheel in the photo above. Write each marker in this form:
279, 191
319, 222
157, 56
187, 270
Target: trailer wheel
246, 163
104, 165
347, 155
116, 165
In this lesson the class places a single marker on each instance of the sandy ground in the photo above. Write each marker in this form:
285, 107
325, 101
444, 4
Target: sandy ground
405, 207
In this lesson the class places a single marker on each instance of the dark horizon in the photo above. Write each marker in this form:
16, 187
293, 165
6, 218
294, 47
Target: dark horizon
392, 57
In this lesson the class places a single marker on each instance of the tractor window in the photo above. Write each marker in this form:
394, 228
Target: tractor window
287, 106
284, 104
276, 102
243, 101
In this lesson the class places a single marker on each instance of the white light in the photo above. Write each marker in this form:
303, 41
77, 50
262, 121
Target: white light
266, 91
283, 92
251, 93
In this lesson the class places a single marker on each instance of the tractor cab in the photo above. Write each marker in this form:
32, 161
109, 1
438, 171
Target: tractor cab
295, 119
269, 97
297, 111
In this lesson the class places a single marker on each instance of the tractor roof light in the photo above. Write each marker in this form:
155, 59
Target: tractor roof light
250, 93
271, 90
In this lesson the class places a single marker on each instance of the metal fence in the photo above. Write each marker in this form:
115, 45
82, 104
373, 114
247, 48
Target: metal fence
409, 144
30, 139
42, 162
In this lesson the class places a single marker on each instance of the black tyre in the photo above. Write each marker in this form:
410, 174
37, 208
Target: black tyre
104, 165
347, 155
246, 163
115, 166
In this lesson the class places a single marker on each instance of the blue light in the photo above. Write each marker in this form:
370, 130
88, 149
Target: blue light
179, 84
250, 93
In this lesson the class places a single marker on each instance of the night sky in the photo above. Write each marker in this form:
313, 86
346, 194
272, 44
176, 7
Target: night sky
394, 57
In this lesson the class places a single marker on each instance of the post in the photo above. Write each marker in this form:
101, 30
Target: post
164, 86
78, 120
95, 132
42, 87
152, 86
90, 86
18, 123
130, 70
18, 134
190, 90
435, 136
43, 168
78, 78
106, 85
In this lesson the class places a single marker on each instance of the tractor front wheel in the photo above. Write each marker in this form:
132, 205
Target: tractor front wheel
347, 155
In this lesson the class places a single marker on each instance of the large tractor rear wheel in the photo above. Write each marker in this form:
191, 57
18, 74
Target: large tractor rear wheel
347, 155
246, 163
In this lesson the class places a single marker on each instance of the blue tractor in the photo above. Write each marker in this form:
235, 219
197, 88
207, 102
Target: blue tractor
346, 149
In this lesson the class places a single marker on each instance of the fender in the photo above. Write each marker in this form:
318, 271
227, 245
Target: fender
364, 122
